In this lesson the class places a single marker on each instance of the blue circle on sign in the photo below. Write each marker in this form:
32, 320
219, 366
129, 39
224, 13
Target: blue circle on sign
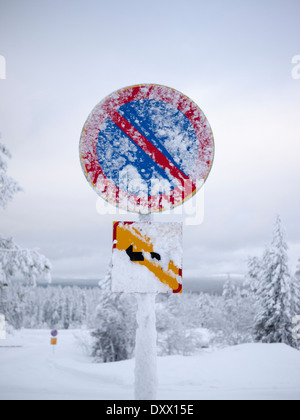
54, 333
163, 125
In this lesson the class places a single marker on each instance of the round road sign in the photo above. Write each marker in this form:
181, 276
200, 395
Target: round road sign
146, 148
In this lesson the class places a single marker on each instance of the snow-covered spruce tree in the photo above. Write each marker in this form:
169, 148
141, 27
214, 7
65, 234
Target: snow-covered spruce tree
254, 273
237, 319
8, 186
273, 323
14, 259
296, 292
230, 313
296, 304
3, 290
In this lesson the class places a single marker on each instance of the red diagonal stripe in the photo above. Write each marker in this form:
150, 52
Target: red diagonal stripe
146, 146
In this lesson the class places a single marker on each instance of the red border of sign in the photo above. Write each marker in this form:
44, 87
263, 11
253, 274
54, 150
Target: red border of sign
107, 108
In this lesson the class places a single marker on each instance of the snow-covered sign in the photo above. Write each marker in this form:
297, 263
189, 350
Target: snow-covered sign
54, 333
147, 257
146, 148
53, 341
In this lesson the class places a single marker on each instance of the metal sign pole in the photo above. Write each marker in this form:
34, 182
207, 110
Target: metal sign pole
145, 387
145, 350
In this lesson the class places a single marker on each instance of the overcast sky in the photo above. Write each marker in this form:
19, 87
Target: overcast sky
233, 58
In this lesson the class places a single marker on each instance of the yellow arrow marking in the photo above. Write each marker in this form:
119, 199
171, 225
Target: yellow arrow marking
127, 235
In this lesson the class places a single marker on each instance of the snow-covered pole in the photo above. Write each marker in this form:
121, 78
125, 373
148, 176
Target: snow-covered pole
146, 346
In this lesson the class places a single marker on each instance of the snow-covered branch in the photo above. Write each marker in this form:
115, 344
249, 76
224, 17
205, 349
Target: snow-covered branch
8, 186
27, 262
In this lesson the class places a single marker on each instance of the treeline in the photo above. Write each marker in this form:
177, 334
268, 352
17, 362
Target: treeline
262, 309
185, 322
50, 307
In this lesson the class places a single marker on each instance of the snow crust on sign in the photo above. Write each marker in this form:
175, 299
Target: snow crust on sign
131, 277
168, 129
166, 239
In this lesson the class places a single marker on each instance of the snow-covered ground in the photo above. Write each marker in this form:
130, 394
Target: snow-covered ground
251, 371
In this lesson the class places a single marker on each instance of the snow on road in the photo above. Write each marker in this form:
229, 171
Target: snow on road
251, 371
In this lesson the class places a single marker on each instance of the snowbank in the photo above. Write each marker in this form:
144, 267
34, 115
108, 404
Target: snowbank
250, 371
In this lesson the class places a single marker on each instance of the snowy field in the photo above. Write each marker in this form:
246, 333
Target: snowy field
252, 371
